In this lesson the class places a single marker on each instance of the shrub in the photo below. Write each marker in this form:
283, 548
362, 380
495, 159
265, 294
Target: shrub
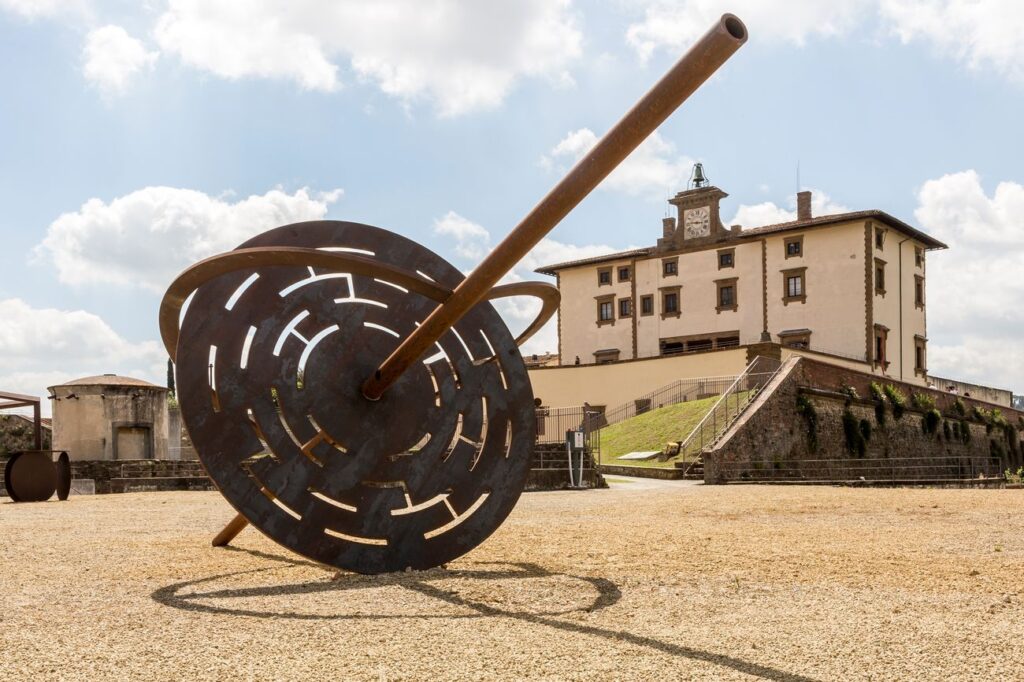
922, 401
898, 400
855, 444
959, 408
930, 421
806, 408
850, 392
965, 432
879, 397
946, 430
876, 391
1015, 477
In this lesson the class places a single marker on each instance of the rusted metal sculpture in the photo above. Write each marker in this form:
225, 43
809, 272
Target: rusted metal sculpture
33, 476
358, 400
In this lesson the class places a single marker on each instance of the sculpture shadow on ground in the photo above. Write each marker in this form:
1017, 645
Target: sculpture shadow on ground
184, 595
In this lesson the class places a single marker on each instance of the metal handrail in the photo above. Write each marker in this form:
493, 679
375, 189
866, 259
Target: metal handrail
613, 416
712, 414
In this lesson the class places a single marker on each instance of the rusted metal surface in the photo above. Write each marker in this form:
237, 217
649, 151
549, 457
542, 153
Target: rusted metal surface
230, 531
63, 470
695, 67
30, 476
422, 462
412, 480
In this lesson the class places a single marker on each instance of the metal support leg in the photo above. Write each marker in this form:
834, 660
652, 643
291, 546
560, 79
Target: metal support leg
230, 531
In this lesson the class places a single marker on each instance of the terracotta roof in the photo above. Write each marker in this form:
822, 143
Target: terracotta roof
109, 380
618, 255
753, 232
929, 241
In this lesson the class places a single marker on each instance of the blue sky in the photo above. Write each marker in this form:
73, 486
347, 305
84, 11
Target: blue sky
447, 121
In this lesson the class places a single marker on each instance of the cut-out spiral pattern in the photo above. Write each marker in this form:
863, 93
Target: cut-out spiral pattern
273, 347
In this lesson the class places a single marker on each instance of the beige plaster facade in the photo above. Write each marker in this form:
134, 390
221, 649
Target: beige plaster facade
611, 384
109, 418
851, 287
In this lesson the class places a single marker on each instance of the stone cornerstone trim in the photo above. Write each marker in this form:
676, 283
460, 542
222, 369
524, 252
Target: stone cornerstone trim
869, 293
558, 283
632, 294
765, 336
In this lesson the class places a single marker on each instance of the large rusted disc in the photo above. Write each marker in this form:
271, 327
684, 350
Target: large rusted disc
63, 465
270, 363
30, 476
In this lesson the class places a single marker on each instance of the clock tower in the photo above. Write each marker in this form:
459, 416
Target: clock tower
698, 221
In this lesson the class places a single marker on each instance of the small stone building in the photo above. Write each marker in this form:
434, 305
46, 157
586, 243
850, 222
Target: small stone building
110, 417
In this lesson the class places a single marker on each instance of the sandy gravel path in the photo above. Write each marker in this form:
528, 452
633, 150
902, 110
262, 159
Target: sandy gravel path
633, 583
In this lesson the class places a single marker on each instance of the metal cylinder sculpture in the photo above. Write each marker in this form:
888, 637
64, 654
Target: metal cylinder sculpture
357, 399
34, 476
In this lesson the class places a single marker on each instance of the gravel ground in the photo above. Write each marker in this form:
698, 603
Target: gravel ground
639, 582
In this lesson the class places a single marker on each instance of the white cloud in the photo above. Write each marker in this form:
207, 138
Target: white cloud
674, 25
461, 56
145, 238
112, 58
769, 213
653, 171
471, 240
40, 347
978, 33
975, 290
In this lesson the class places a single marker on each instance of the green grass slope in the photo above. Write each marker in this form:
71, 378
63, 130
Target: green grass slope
651, 430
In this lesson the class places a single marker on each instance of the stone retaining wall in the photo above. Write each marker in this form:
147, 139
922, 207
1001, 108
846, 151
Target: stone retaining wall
660, 473
550, 471
114, 476
773, 440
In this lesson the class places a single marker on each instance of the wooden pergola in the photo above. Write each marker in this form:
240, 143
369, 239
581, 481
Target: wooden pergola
11, 400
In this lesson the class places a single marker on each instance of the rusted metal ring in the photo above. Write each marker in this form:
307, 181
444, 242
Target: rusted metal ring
63, 467
245, 259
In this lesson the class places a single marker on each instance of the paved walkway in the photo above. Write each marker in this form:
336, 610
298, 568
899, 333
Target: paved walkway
635, 483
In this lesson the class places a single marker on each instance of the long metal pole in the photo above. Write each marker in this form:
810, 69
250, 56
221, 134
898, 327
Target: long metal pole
695, 67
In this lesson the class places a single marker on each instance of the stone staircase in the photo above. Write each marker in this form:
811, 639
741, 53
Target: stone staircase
692, 471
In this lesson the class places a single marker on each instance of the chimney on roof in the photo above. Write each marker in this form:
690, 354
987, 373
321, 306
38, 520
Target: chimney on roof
803, 206
668, 227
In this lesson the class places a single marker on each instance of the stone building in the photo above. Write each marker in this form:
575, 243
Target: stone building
848, 288
110, 418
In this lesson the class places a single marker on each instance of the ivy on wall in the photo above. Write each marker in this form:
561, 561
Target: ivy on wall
805, 407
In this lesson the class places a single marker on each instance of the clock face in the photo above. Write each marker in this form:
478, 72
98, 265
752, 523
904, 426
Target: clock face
697, 222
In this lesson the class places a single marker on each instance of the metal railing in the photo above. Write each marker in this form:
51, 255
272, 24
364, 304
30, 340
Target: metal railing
553, 422
889, 470
730, 406
680, 391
